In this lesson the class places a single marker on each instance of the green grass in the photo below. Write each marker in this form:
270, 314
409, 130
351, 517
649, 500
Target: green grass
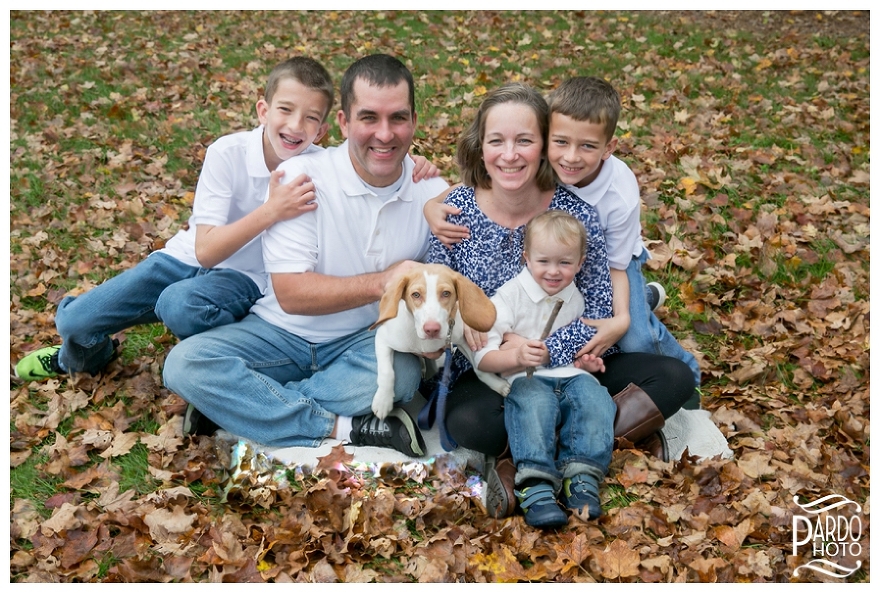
618, 497
133, 471
29, 481
141, 341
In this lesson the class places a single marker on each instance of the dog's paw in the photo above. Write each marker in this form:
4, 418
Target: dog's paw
382, 404
496, 383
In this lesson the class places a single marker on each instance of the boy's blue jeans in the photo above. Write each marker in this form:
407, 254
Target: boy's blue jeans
582, 411
646, 333
268, 385
187, 299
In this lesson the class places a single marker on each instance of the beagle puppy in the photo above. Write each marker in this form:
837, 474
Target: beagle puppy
414, 316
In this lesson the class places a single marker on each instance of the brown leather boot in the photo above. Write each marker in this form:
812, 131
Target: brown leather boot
499, 473
638, 421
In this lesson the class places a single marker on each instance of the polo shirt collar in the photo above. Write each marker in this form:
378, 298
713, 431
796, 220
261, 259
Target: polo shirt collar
534, 291
256, 161
351, 183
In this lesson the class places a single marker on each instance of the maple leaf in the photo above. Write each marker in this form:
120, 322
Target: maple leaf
617, 560
337, 459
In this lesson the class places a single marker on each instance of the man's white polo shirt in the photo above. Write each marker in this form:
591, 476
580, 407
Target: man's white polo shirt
353, 231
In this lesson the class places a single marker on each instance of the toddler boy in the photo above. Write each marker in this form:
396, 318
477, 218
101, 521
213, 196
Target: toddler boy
564, 400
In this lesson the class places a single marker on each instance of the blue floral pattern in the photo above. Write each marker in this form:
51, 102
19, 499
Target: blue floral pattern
493, 255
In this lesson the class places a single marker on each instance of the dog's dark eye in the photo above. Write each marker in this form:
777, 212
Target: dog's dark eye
416, 295
445, 294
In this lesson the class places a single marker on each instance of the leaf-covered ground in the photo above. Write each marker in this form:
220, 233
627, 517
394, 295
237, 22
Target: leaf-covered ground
750, 137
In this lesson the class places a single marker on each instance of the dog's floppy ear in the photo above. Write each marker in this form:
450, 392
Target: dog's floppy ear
390, 300
476, 309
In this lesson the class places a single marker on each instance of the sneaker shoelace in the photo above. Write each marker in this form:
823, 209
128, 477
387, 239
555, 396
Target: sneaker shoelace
46, 362
375, 427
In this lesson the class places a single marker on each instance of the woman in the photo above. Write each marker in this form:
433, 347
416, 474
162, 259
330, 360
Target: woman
507, 181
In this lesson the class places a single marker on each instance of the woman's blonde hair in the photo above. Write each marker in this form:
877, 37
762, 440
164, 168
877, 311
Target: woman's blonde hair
470, 145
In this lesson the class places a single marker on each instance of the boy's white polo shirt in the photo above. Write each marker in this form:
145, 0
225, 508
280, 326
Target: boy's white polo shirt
523, 307
233, 183
615, 196
353, 231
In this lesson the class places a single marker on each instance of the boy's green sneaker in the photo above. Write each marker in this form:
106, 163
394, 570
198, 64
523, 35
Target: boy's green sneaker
39, 365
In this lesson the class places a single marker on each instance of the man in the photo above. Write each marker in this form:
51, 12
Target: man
302, 366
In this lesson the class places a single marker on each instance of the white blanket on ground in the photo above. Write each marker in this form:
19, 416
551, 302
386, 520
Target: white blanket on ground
691, 429
694, 430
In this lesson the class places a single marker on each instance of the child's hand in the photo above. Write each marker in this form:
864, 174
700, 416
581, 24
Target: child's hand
533, 353
292, 199
435, 213
590, 363
511, 340
608, 332
424, 169
475, 340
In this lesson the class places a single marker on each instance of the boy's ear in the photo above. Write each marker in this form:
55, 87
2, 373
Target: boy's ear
321, 131
343, 123
262, 111
610, 148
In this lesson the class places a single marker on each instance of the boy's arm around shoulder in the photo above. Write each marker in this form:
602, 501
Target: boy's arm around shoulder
287, 197
437, 212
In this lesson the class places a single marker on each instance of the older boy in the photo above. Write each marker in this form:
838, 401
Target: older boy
211, 273
583, 119
302, 366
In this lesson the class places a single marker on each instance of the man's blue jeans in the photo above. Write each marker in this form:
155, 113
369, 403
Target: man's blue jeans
268, 385
187, 299
646, 333
582, 411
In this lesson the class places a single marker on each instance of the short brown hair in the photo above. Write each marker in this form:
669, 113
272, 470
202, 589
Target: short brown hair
307, 72
558, 225
470, 145
587, 98
379, 70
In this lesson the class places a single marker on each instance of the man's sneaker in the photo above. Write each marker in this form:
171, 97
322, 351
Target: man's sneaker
539, 506
396, 431
655, 295
39, 365
196, 423
580, 493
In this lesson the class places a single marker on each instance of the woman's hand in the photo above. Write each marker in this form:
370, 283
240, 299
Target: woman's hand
608, 332
475, 340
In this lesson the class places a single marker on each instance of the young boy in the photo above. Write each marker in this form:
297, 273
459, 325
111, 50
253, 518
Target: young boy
211, 273
564, 398
583, 119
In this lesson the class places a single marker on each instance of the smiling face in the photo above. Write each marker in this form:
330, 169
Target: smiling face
577, 149
512, 147
379, 130
292, 121
553, 264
